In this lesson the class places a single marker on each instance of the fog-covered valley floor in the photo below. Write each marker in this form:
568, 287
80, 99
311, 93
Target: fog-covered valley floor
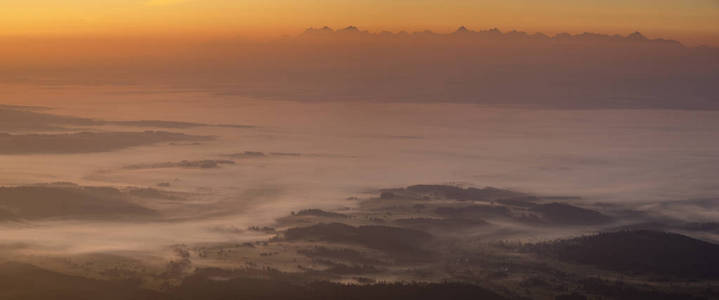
176, 193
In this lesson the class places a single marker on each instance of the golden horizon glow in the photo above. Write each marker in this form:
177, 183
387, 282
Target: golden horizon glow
692, 21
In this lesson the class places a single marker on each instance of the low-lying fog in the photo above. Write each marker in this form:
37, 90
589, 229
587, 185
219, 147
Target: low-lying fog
318, 154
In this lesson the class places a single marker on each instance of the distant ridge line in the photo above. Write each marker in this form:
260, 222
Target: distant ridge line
492, 33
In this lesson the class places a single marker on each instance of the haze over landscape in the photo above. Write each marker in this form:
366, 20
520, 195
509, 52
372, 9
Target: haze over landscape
359, 149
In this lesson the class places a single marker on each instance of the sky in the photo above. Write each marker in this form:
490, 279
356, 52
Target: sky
690, 21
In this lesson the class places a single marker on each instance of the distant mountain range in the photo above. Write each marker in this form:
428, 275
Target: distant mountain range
489, 34
489, 67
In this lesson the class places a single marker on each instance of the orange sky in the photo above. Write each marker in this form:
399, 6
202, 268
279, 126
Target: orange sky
691, 21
